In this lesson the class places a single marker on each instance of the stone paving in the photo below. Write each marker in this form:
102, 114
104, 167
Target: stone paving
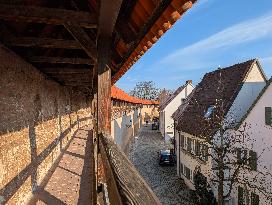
70, 180
163, 180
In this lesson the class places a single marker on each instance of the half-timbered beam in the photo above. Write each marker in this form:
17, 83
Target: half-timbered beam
44, 43
83, 39
43, 59
47, 15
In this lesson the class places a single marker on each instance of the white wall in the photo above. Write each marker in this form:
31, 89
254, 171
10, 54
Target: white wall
191, 161
251, 88
168, 123
261, 137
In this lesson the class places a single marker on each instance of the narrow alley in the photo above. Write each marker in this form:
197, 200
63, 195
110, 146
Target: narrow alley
163, 180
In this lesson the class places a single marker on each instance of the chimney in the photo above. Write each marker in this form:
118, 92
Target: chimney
189, 82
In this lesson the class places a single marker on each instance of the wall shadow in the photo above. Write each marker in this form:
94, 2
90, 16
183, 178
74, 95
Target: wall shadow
31, 169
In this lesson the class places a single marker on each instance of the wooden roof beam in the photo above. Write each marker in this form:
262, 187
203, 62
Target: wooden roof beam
65, 70
47, 15
44, 59
82, 38
44, 43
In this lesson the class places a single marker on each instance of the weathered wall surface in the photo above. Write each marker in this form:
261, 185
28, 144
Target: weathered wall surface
149, 112
126, 126
38, 117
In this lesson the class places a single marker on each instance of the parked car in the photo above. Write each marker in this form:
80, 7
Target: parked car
166, 157
155, 123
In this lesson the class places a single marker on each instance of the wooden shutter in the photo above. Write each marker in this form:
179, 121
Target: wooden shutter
182, 141
197, 148
239, 158
253, 160
245, 157
255, 199
240, 196
189, 144
268, 115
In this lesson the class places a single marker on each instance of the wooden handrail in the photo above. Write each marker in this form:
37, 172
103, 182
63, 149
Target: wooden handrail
125, 184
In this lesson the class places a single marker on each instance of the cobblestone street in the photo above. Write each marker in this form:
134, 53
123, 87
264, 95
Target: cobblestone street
164, 181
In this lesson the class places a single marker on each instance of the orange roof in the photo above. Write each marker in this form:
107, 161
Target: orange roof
117, 93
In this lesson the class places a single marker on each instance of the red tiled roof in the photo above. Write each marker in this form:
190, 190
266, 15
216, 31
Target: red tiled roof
117, 93
191, 120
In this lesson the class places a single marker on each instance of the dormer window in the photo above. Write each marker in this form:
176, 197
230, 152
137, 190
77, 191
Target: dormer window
209, 112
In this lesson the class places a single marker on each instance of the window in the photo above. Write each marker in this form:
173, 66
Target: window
254, 199
187, 172
197, 148
191, 175
268, 115
182, 100
209, 111
204, 152
193, 146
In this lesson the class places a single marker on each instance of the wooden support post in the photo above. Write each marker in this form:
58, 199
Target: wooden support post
108, 13
104, 87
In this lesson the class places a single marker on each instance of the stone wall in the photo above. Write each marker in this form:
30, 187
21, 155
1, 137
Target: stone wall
38, 117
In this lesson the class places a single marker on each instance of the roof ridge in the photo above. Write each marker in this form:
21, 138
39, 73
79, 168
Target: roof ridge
232, 66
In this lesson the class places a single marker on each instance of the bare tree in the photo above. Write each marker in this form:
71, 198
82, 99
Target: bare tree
145, 90
234, 162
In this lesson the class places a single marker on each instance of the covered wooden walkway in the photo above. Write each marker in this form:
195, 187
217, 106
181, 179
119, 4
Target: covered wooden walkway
60, 59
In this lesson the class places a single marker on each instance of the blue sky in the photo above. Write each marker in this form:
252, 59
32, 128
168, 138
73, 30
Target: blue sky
211, 34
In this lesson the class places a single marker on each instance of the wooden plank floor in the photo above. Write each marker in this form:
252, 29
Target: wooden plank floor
70, 181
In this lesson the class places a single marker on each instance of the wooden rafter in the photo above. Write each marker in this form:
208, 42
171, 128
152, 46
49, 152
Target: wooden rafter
44, 43
65, 70
43, 59
83, 39
144, 30
47, 15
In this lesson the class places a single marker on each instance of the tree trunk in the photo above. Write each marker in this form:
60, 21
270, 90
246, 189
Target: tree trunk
221, 171
221, 185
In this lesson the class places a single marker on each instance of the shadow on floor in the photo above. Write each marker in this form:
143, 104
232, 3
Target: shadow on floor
69, 181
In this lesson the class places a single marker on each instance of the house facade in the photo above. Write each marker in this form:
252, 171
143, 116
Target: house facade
169, 106
258, 123
228, 92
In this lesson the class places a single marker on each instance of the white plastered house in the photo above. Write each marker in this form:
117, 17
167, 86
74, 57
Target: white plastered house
258, 123
169, 106
237, 86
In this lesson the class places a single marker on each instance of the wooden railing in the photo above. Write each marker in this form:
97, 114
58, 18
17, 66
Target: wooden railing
124, 183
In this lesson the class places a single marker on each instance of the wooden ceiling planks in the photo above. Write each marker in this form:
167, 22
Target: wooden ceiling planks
58, 32
165, 15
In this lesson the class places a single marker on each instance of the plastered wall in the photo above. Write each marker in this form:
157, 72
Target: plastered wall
38, 118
